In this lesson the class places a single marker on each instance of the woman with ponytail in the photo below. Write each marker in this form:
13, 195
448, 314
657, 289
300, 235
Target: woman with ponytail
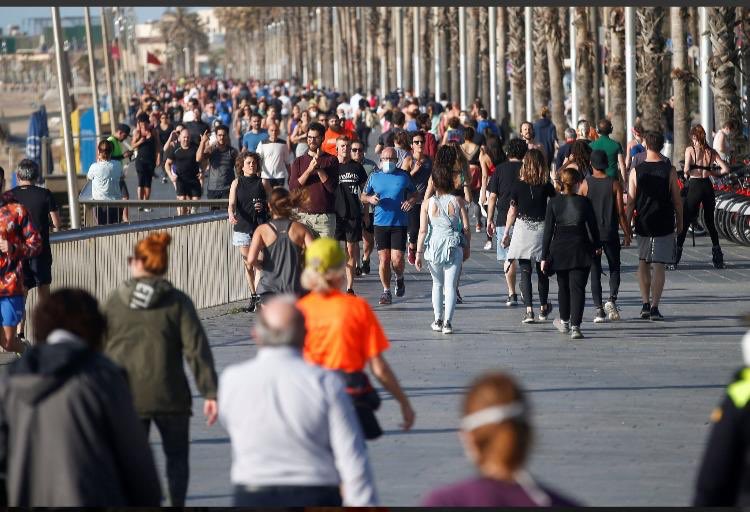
152, 327
281, 241
495, 431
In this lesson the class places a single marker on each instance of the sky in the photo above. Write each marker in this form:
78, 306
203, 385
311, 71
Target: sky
16, 15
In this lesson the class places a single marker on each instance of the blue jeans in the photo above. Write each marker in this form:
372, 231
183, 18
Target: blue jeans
287, 496
444, 282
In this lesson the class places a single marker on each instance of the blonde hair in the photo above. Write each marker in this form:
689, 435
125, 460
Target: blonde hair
314, 281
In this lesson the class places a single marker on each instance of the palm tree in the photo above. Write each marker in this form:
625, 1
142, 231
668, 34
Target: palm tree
541, 69
472, 52
723, 64
373, 22
616, 72
407, 48
584, 64
442, 24
484, 57
681, 78
518, 64
650, 54
327, 47
452, 60
596, 77
427, 76
181, 29
384, 37
502, 78
550, 22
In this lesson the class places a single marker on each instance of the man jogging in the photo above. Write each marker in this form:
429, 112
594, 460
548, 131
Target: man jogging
392, 193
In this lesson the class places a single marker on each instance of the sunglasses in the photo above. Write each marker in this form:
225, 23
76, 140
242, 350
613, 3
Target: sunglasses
356, 150
417, 142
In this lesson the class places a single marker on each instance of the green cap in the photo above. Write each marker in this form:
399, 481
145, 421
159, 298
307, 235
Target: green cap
324, 254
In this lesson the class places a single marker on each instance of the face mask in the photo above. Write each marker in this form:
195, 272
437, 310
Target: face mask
389, 166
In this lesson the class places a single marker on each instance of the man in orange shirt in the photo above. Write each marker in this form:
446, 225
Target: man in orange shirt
344, 334
334, 131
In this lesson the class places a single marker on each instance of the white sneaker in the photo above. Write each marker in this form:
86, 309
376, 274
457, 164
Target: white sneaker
488, 245
437, 325
560, 325
612, 312
447, 328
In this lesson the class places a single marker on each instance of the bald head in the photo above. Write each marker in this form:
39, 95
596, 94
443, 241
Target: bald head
388, 153
280, 323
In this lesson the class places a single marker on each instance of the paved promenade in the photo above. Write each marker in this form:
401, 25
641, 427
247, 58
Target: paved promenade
621, 416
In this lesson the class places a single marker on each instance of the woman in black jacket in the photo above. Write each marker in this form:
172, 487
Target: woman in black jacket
571, 236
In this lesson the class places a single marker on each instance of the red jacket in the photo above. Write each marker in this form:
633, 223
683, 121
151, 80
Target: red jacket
24, 241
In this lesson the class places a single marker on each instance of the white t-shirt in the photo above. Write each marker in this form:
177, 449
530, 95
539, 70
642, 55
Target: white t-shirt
275, 157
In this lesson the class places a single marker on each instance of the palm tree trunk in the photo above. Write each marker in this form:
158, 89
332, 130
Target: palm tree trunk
650, 56
383, 39
327, 47
518, 65
484, 57
442, 24
541, 69
502, 77
453, 57
596, 78
616, 73
472, 52
724, 64
372, 35
553, 42
427, 59
407, 47
584, 65
681, 77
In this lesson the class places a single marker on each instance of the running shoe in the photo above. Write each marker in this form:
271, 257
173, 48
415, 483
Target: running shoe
646, 311
447, 328
411, 256
612, 312
528, 317
350, 291
600, 317
253, 303
478, 228
400, 287
459, 299
512, 300
656, 314
357, 271
488, 245
437, 325
575, 333
386, 298
561, 325
544, 311
366, 267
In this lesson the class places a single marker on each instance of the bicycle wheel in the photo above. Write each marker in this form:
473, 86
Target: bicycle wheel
743, 223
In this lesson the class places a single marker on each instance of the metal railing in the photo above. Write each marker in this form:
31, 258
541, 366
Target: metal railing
202, 261
99, 212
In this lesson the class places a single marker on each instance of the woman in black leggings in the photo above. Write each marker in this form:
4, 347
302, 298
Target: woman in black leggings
700, 163
571, 236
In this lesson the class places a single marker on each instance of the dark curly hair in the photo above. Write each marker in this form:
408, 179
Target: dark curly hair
73, 310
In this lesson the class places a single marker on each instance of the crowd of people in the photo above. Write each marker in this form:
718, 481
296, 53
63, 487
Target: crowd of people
302, 196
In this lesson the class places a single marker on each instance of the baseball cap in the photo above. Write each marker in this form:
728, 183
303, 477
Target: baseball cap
324, 254
599, 160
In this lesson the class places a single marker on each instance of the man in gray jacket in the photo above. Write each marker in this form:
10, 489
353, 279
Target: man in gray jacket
69, 435
296, 440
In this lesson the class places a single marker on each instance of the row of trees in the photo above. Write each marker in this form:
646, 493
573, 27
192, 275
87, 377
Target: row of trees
361, 42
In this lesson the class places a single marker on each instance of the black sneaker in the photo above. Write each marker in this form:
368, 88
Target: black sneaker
350, 291
253, 304
528, 317
400, 287
366, 267
646, 311
386, 298
600, 316
512, 300
357, 271
545, 311
656, 315
459, 299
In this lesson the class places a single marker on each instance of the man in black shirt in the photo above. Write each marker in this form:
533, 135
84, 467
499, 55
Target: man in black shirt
352, 177
182, 165
500, 187
196, 127
41, 205
221, 158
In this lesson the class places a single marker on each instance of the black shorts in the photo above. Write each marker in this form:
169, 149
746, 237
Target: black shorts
188, 188
276, 182
145, 171
370, 228
414, 215
217, 194
38, 271
124, 189
390, 238
348, 230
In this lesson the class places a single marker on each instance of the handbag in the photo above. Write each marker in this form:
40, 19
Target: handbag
366, 401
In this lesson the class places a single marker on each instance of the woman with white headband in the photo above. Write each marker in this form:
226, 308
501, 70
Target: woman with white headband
496, 434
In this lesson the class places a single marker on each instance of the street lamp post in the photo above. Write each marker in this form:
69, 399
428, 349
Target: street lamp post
108, 70
62, 86
630, 106
492, 14
528, 27
573, 65
92, 72
462, 54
